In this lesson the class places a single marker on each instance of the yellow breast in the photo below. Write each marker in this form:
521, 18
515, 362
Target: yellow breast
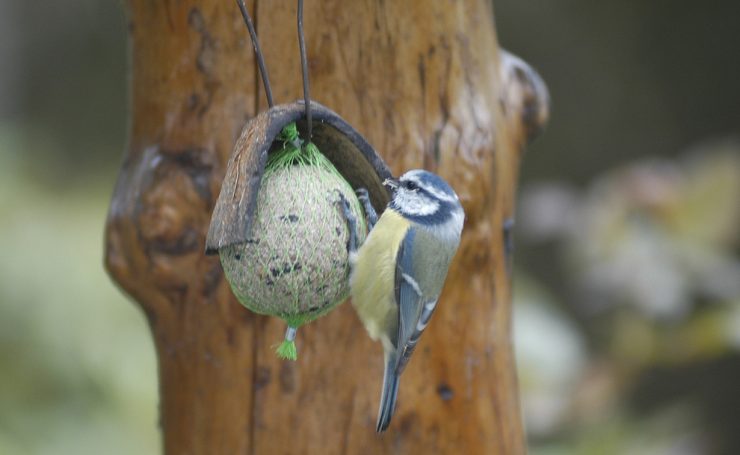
373, 276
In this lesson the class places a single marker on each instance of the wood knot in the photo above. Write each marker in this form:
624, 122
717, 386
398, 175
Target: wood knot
524, 96
170, 211
445, 392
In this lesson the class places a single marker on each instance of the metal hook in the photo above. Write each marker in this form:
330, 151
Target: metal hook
257, 51
304, 68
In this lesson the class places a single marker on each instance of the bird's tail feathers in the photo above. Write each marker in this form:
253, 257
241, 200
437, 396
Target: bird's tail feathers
389, 395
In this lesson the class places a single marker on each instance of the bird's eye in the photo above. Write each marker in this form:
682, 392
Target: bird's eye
410, 185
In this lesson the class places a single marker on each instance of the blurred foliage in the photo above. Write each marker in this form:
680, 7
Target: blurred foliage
626, 239
627, 311
78, 368
651, 274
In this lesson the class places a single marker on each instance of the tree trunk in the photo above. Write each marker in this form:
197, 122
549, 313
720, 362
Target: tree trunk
426, 84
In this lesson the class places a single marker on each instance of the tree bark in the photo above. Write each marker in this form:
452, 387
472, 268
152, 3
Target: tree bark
426, 84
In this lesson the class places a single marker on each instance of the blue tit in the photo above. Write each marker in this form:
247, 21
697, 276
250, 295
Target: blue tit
397, 274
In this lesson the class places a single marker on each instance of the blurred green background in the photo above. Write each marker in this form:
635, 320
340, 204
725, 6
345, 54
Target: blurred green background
627, 288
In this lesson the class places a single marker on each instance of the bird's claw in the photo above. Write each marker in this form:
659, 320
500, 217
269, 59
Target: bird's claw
343, 203
349, 218
364, 196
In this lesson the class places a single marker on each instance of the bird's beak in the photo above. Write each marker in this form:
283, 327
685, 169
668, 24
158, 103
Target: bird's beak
392, 184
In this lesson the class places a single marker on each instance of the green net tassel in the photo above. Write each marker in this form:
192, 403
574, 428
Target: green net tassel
287, 350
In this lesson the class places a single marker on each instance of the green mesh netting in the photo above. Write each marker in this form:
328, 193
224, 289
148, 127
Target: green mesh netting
295, 265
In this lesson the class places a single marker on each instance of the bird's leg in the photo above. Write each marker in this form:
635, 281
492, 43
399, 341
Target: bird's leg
352, 243
370, 214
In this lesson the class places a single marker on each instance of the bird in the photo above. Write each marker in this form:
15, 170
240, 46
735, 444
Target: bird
397, 274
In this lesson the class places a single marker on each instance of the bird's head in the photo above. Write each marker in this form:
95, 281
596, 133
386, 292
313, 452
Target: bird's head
424, 198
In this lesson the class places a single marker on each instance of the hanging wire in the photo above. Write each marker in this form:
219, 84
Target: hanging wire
257, 51
304, 68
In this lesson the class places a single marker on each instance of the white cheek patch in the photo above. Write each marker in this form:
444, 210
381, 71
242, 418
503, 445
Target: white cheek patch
412, 203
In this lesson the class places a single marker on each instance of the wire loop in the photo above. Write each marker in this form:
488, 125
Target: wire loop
257, 51
304, 68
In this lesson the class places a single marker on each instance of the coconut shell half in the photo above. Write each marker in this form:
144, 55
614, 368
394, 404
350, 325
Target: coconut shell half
354, 158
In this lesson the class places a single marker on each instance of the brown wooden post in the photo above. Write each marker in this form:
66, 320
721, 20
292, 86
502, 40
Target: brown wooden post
427, 85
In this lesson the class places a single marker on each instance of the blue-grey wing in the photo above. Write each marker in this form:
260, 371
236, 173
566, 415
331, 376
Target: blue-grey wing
414, 311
